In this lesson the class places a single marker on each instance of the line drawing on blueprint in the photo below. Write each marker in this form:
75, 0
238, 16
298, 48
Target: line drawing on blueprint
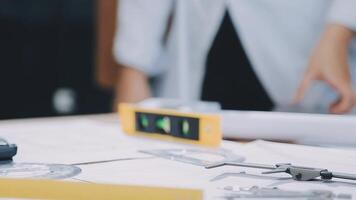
233, 192
199, 157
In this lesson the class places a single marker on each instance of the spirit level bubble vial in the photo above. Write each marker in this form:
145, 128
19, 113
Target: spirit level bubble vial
171, 124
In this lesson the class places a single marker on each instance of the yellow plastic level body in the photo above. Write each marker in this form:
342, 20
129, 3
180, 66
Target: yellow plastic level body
209, 125
64, 190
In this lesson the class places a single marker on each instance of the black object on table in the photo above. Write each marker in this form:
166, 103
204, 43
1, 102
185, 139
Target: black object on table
7, 151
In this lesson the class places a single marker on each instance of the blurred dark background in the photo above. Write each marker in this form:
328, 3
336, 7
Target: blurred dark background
48, 58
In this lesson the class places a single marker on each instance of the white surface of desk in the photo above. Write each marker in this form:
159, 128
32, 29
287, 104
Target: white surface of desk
73, 140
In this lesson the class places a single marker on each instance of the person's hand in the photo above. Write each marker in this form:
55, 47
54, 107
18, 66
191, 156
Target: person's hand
132, 86
329, 63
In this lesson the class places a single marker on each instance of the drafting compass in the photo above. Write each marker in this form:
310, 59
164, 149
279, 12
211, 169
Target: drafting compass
298, 173
7, 151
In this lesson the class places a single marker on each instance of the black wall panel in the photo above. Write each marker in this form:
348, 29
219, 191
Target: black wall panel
46, 46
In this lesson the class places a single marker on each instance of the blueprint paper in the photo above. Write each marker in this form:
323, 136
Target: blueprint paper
159, 171
70, 140
298, 127
85, 140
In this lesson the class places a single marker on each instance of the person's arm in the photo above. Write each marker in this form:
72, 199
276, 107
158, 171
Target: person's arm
132, 85
138, 44
329, 61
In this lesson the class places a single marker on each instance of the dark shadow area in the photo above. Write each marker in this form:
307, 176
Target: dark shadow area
47, 47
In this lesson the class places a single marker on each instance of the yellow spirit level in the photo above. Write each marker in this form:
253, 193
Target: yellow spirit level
166, 123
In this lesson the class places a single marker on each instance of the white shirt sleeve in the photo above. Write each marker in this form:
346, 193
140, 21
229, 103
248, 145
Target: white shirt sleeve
140, 32
343, 12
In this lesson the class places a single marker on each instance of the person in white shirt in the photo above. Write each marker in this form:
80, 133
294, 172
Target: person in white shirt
290, 45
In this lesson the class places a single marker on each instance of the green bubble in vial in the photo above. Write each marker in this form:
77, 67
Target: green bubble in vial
185, 127
144, 121
164, 124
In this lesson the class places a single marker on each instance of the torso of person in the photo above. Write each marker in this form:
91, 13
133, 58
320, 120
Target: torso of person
248, 55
